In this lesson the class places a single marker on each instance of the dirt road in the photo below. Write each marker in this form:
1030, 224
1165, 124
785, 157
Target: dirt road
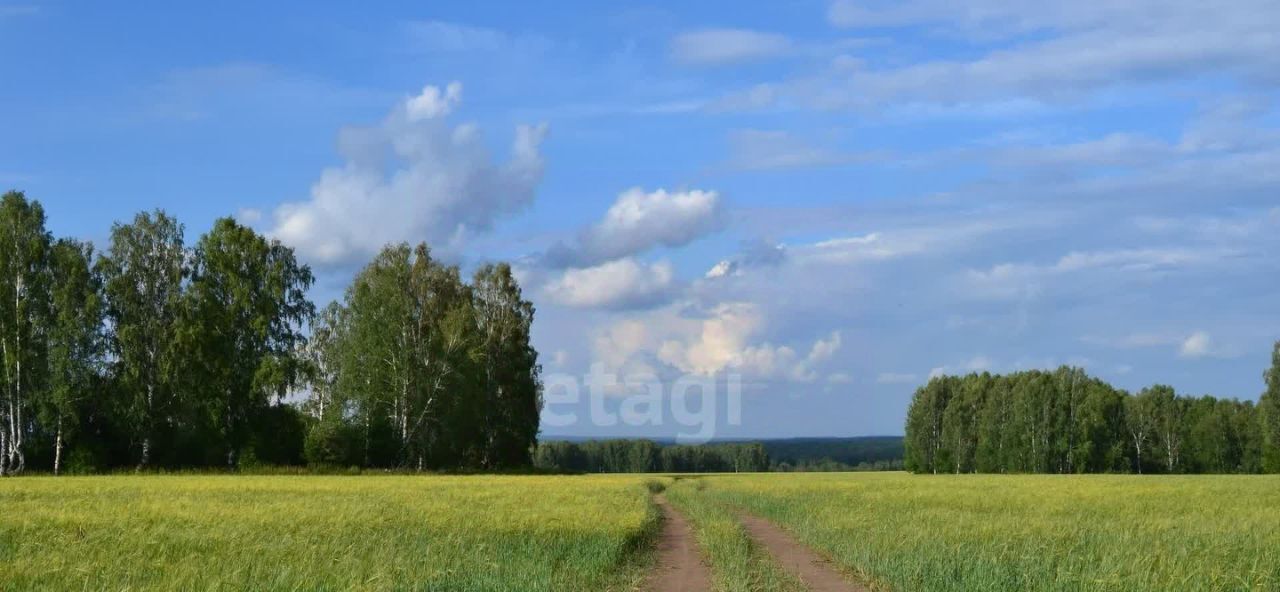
816, 572
680, 567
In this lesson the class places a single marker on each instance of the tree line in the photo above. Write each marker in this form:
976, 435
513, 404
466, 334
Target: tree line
863, 453
647, 456
1065, 421
158, 354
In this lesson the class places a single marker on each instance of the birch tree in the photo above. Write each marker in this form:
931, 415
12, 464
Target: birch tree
143, 273
323, 356
246, 306
76, 340
512, 375
24, 255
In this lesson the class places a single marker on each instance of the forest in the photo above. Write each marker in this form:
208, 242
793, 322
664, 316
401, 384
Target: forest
872, 453
155, 354
647, 456
865, 453
1065, 421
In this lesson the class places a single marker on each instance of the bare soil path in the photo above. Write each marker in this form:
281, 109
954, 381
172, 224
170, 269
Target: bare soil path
680, 567
814, 570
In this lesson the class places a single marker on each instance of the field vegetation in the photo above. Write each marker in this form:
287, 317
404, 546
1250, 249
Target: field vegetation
1026, 532
164, 533
894, 531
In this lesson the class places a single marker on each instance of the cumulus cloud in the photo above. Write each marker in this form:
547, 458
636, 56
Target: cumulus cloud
623, 283
433, 102
726, 46
1196, 345
725, 337
411, 178
639, 221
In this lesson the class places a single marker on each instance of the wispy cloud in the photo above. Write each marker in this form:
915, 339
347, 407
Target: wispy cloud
713, 47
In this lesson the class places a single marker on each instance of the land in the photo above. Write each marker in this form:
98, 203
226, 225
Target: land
745, 532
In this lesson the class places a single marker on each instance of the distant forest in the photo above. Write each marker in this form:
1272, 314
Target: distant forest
649, 456
1068, 422
155, 354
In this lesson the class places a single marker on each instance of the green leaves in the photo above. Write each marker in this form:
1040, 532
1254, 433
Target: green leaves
427, 371
243, 314
162, 354
1067, 422
1269, 414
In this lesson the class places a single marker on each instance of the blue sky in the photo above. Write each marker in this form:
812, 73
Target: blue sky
833, 200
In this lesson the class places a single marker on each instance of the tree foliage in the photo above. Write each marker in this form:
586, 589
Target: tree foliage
157, 354
647, 456
1269, 414
1065, 421
418, 369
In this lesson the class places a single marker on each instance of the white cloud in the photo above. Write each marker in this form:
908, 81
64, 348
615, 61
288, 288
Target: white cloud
768, 361
623, 283
1021, 280
752, 254
1197, 345
639, 221
433, 102
722, 269
724, 341
851, 249
946, 237
726, 337
411, 178
725, 46
1027, 54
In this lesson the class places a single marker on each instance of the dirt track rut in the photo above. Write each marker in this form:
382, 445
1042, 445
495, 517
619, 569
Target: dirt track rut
680, 567
817, 574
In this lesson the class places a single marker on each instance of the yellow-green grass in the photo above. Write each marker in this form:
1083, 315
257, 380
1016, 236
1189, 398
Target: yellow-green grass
1035, 533
738, 564
324, 533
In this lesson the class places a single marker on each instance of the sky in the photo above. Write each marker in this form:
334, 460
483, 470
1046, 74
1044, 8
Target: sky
825, 203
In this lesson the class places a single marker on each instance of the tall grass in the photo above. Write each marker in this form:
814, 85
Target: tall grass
1035, 533
324, 533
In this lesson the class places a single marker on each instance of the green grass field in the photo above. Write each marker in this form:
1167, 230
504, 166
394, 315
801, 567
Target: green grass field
323, 533
1043, 533
900, 532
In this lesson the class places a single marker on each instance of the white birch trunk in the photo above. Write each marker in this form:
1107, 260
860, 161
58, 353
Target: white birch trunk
57, 450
